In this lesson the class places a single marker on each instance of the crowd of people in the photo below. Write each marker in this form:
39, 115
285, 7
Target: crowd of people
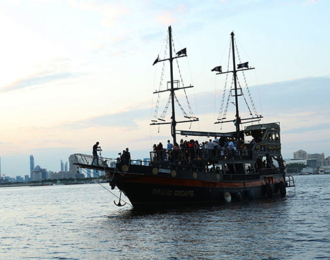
212, 149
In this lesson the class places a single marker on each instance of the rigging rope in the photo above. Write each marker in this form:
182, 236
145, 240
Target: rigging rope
184, 112
189, 107
254, 109
225, 112
166, 107
244, 97
161, 81
224, 91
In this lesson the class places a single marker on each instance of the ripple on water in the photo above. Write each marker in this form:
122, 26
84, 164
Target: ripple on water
81, 222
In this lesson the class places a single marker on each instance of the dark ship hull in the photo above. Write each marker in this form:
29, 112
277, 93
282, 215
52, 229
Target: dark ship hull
168, 188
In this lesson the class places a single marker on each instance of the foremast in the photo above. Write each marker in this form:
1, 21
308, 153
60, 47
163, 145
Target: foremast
182, 53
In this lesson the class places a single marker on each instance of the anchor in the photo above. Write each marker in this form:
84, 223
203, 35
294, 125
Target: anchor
119, 204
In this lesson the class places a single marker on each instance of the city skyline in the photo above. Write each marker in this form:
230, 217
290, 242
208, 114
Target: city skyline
87, 76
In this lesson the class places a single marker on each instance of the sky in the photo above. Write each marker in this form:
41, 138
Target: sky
74, 72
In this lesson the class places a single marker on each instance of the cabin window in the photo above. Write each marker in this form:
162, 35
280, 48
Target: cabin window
248, 137
257, 135
249, 168
277, 137
270, 137
239, 168
218, 168
228, 168
273, 137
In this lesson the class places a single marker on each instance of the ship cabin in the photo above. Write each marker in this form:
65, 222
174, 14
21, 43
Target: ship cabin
255, 151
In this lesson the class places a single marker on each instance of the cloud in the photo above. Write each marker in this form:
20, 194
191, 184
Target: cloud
166, 18
123, 119
35, 80
301, 105
110, 13
305, 129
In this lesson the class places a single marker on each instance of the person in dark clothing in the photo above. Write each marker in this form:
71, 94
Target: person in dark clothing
222, 141
95, 156
123, 156
127, 157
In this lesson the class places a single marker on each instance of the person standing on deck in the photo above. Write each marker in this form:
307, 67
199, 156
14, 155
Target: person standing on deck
95, 156
127, 156
169, 148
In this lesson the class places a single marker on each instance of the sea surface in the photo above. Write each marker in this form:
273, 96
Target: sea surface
82, 222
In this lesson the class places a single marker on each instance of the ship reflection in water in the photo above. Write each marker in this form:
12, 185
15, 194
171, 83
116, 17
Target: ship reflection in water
82, 222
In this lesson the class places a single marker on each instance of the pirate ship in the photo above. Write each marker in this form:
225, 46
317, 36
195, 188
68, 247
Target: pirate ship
240, 165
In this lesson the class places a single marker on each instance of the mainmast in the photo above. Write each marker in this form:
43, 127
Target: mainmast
179, 54
235, 84
240, 68
173, 125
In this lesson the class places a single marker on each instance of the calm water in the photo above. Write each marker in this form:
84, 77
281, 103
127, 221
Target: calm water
81, 222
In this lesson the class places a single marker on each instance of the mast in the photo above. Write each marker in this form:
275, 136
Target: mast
173, 124
180, 54
240, 67
235, 84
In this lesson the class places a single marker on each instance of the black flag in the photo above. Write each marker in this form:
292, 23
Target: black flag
182, 52
243, 65
218, 68
156, 61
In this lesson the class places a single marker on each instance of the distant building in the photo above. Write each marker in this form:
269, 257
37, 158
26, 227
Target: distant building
0, 165
96, 174
39, 174
31, 165
327, 161
73, 169
19, 179
9, 179
66, 167
290, 161
62, 166
89, 173
300, 155
318, 157
313, 163
26, 178
80, 176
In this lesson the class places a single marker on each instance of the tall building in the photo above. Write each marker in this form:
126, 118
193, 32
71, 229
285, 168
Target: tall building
66, 166
300, 155
72, 168
62, 166
39, 174
31, 165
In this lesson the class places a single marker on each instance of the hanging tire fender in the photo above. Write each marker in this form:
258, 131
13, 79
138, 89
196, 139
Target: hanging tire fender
269, 190
282, 188
238, 196
250, 194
